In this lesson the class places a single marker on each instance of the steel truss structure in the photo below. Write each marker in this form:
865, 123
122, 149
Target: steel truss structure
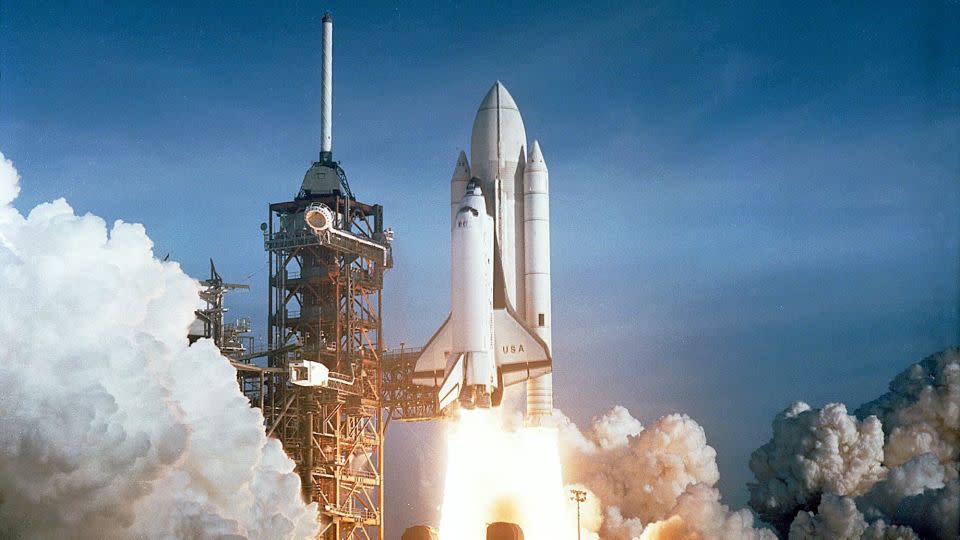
232, 339
402, 400
324, 306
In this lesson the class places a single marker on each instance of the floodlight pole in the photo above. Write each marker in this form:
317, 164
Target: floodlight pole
580, 496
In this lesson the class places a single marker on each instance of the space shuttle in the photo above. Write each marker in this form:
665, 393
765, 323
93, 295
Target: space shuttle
498, 330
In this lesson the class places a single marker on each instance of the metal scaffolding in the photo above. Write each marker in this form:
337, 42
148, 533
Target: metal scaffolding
402, 399
324, 306
233, 339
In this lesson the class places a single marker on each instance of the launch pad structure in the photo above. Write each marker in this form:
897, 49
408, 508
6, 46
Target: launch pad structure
325, 303
325, 384
324, 307
327, 388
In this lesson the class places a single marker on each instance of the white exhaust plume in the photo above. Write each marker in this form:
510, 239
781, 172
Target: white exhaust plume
837, 518
921, 412
917, 475
814, 451
935, 513
898, 482
653, 483
112, 426
890, 472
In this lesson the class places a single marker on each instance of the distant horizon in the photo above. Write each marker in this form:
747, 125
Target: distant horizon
750, 206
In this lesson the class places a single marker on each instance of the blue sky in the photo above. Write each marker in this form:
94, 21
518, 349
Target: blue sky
751, 204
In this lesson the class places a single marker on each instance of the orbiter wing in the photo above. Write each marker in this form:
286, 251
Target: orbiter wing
520, 354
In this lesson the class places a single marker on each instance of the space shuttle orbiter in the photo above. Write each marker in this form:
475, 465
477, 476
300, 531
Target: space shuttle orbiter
498, 331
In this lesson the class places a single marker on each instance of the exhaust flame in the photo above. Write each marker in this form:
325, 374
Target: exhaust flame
498, 475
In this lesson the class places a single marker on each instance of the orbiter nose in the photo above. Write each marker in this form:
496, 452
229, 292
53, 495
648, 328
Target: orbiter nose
458, 185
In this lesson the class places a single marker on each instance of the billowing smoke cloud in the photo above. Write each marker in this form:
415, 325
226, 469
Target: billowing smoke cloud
111, 425
889, 472
921, 412
814, 451
837, 518
653, 483
934, 513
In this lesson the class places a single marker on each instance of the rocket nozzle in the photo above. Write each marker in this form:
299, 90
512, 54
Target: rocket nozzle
475, 396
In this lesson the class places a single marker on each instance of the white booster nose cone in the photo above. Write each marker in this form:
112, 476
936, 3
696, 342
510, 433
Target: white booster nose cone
318, 217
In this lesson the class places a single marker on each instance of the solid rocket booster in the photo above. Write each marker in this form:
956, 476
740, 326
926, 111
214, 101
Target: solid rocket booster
536, 234
513, 184
326, 91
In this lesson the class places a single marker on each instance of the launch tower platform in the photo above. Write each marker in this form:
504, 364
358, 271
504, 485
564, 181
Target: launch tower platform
324, 310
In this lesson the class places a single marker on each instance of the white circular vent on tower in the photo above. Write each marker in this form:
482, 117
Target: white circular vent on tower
318, 217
